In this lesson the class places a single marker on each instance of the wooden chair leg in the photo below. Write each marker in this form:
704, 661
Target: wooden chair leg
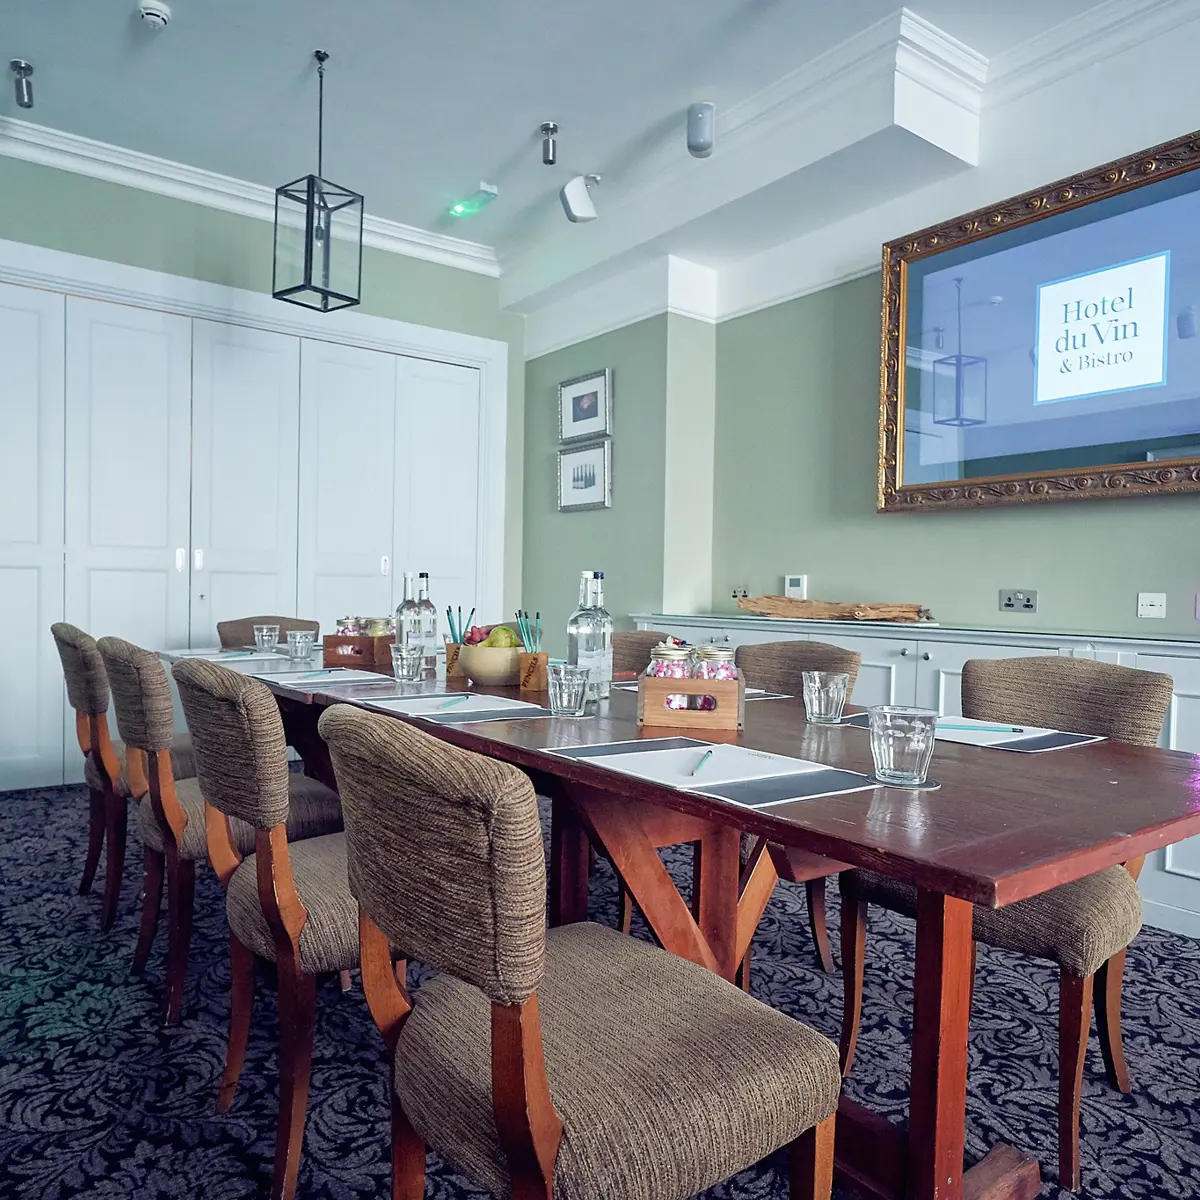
971, 988
1074, 1024
181, 886
152, 886
344, 981
625, 912
116, 816
1107, 995
297, 1017
95, 839
814, 891
743, 972
241, 1004
408, 1154
812, 1163
854, 946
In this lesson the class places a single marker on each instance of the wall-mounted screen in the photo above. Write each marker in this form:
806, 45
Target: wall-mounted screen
1050, 348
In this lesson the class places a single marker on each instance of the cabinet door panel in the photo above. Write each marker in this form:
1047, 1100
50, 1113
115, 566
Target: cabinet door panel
245, 429
32, 698
888, 671
347, 500
940, 666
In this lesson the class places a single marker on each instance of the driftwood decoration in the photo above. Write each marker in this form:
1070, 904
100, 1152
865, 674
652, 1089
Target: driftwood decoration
831, 610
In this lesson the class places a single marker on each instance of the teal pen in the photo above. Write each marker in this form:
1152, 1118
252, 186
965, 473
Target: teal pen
461, 630
239, 654
703, 759
453, 701
469, 620
316, 674
537, 634
984, 728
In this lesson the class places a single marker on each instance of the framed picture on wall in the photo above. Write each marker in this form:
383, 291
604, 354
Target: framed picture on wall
585, 407
585, 477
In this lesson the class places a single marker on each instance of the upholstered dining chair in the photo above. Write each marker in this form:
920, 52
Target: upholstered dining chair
631, 649
104, 762
239, 632
778, 667
287, 904
1085, 926
576, 1062
171, 812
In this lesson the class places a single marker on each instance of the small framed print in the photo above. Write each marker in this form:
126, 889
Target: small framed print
585, 407
585, 477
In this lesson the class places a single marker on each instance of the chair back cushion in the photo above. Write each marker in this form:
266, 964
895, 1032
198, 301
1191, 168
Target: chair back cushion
778, 666
445, 851
1074, 694
83, 668
240, 632
141, 694
237, 734
631, 650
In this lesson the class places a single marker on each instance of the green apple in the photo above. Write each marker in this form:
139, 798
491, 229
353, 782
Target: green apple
502, 637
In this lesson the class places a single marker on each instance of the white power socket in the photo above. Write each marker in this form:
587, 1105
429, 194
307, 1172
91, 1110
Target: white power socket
795, 587
1152, 604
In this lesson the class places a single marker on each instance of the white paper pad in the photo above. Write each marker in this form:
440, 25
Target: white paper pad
430, 706
216, 654
1001, 736
315, 679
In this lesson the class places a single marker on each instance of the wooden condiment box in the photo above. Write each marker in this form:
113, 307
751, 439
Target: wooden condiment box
359, 652
730, 695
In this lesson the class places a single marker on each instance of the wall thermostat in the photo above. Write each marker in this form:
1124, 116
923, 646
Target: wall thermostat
795, 587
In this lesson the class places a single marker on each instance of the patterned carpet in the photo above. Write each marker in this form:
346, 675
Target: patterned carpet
97, 1100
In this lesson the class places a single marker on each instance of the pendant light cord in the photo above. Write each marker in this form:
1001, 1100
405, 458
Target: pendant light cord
958, 285
320, 56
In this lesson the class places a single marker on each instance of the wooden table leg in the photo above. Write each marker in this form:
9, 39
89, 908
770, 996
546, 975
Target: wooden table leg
720, 868
568, 864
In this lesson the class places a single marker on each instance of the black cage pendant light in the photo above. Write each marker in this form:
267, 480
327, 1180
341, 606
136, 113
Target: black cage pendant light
959, 382
318, 232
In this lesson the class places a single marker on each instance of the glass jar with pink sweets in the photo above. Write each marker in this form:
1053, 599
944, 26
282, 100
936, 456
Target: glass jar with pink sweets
713, 662
671, 662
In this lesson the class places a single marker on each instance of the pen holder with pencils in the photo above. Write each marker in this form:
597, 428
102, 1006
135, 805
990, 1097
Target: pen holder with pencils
534, 672
453, 670
658, 704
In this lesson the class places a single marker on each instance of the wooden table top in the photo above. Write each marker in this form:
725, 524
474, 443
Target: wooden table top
1002, 827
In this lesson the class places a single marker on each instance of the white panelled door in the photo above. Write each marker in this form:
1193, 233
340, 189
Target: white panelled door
438, 498
32, 698
245, 431
128, 407
347, 469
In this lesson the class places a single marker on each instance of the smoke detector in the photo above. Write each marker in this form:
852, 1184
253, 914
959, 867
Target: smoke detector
156, 13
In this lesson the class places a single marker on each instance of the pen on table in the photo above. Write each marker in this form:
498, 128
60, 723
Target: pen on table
453, 701
316, 674
703, 759
239, 654
984, 728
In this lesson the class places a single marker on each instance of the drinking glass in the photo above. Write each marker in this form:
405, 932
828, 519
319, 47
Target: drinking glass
266, 637
300, 643
902, 743
825, 696
568, 689
407, 662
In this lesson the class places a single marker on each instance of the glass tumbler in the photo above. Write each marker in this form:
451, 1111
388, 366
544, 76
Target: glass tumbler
825, 696
300, 643
266, 637
902, 743
407, 662
568, 689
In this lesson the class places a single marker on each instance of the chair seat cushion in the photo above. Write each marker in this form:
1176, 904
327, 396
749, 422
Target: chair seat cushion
666, 1077
183, 765
313, 810
329, 939
1079, 925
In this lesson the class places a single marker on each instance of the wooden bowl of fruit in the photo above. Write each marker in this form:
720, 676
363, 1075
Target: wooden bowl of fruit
491, 657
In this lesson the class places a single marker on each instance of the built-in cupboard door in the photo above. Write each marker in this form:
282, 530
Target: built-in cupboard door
347, 430
32, 699
440, 462
245, 429
128, 417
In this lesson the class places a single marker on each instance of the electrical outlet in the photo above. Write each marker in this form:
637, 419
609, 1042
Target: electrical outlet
1198, 606
739, 592
1152, 604
1014, 600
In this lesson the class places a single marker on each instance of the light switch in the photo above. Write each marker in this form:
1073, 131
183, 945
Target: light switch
1152, 604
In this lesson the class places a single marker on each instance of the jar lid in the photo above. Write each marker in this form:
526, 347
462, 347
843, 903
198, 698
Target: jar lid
716, 653
670, 653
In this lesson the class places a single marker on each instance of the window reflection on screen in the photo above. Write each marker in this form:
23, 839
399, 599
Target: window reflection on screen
1070, 343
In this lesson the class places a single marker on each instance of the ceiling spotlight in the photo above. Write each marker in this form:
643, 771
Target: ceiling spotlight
700, 121
480, 198
21, 84
576, 200
549, 145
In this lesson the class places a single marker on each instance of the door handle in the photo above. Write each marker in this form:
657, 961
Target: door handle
180, 558
384, 565
926, 656
198, 559
904, 652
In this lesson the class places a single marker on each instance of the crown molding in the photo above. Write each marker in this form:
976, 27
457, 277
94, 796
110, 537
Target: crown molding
114, 164
1112, 28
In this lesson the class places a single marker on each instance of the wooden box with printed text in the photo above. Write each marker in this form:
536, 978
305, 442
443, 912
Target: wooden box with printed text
657, 708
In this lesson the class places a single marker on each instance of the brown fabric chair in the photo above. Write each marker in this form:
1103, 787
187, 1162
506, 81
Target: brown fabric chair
290, 905
235, 634
171, 812
778, 667
104, 762
1083, 926
578, 1062
631, 650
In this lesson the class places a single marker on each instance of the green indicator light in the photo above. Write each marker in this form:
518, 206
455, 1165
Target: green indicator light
477, 200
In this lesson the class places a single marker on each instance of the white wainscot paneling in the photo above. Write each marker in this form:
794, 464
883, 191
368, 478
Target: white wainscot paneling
940, 666
888, 671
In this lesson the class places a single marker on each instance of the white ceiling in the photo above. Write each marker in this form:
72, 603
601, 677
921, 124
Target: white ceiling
423, 100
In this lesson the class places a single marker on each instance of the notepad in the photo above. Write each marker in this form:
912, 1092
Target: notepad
469, 709
318, 679
1032, 739
217, 655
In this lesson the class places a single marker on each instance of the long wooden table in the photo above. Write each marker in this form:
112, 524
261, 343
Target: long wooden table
1002, 827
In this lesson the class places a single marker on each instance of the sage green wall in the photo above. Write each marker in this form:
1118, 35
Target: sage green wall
626, 540
64, 211
797, 398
